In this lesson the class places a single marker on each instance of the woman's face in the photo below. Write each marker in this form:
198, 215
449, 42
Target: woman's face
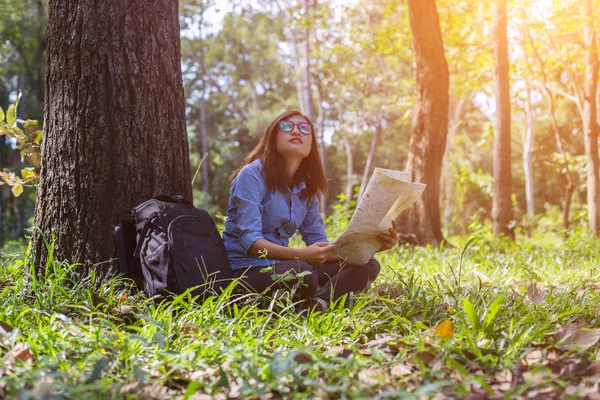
294, 143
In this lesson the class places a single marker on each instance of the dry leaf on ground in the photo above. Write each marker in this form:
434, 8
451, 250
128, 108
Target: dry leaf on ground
21, 351
401, 370
444, 329
576, 336
504, 376
373, 376
391, 290
535, 294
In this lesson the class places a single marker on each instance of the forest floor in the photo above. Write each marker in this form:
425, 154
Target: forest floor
484, 319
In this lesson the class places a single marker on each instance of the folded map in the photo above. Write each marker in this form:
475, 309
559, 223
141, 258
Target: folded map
388, 193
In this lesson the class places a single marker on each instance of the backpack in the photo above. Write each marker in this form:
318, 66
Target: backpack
169, 246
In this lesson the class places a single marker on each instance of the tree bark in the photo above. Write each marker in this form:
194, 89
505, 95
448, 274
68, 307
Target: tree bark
115, 132
502, 214
421, 222
590, 123
349, 171
367, 170
527, 151
454, 123
309, 109
321, 138
204, 145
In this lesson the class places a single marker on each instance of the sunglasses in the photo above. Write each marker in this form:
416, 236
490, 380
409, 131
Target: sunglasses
287, 126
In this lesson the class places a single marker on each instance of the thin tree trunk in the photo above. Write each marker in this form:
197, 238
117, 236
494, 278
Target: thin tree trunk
367, 170
570, 175
309, 106
321, 137
115, 132
204, 147
590, 123
349, 172
527, 151
502, 213
454, 123
421, 222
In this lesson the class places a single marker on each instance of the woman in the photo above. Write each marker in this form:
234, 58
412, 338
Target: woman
274, 193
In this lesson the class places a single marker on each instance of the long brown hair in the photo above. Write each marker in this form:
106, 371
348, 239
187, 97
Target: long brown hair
310, 169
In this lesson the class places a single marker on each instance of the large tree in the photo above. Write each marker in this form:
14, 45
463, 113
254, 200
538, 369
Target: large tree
502, 214
429, 124
115, 131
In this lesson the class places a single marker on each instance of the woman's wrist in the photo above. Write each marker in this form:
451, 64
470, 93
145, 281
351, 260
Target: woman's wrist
298, 253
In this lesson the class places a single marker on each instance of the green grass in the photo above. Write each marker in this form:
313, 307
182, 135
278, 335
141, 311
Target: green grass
91, 339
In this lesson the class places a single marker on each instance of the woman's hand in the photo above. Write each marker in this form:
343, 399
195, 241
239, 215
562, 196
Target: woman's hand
388, 239
317, 253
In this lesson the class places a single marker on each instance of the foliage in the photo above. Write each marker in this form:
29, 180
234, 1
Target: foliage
420, 330
28, 138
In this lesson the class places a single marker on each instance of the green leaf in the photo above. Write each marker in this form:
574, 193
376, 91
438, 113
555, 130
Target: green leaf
27, 173
493, 310
17, 189
38, 138
99, 367
11, 115
471, 314
2, 116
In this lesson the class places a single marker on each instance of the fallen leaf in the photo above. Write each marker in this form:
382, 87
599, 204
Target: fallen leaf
7, 328
504, 376
577, 336
391, 290
188, 327
536, 295
339, 351
303, 358
373, 376
533, 357
426, 357
400, 370
444, 329
380, 342
21, 351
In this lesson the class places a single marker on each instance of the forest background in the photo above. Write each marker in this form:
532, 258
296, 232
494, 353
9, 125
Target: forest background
350, 66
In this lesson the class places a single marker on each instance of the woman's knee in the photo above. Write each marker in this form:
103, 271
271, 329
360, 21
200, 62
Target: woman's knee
372, 269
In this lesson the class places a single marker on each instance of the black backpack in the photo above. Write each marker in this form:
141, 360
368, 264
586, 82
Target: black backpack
169, 246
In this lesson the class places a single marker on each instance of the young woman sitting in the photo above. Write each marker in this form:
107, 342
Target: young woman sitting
273, 194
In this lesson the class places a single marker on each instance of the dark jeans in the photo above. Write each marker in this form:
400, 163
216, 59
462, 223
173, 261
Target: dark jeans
338, 278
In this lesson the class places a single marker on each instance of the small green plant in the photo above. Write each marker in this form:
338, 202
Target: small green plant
27, 137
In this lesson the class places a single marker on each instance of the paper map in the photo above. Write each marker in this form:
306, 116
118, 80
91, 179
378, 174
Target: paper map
388, 193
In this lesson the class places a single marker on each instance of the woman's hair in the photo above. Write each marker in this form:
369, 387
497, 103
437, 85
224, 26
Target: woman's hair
310, 170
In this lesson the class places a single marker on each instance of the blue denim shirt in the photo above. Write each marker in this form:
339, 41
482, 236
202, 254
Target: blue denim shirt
254, 214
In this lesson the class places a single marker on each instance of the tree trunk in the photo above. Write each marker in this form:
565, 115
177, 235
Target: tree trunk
115, 132
502, 214
454, 123
527, 151
204, 146
321, 137
570, 175
590, 123
429, 124
367, 170
349, 172
308, 106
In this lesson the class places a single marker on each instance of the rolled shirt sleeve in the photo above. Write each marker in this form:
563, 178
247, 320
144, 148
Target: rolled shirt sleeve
312, 228
247, 196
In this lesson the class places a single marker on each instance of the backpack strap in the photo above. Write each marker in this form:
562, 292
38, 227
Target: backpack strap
172, 199
147, 222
